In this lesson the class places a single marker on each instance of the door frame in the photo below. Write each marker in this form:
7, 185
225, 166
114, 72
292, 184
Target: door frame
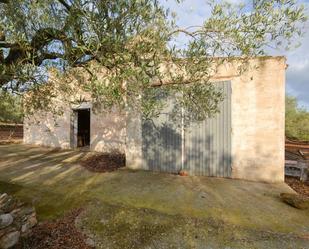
74, 122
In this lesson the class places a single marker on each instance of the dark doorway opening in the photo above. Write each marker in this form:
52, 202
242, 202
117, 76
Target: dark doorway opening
83, 127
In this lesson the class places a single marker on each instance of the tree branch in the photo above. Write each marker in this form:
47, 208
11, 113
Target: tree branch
4, 44
64, 3
51, 56
2, 36
203, 31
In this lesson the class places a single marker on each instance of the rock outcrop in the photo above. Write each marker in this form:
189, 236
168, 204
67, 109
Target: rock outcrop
16, 220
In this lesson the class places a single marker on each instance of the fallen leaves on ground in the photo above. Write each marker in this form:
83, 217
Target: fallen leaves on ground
58, 234
301, 188
104, 162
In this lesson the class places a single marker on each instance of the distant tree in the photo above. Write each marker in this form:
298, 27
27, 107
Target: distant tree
134, 42
296, 120
10, 108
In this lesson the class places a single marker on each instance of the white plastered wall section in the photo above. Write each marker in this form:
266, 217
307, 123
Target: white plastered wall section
258, 121
46, 129
107, 131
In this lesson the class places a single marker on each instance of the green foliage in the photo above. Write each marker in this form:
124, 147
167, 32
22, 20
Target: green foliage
10, 108
127, 46
296, 120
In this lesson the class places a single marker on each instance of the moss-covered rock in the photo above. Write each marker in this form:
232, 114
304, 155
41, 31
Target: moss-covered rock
16, 220
295, 200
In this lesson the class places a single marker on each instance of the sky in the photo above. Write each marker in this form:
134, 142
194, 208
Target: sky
194, 12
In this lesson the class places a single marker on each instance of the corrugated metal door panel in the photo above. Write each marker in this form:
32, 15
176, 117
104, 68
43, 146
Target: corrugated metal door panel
162, 142
208, 144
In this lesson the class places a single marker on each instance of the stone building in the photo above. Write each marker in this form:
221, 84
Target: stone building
245, 140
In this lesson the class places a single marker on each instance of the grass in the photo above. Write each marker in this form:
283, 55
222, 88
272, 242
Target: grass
120, 226
143, 209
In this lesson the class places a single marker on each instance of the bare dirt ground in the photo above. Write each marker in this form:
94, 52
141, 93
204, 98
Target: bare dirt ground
139, 209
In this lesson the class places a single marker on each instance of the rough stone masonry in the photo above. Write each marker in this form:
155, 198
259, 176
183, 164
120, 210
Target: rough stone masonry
16, 220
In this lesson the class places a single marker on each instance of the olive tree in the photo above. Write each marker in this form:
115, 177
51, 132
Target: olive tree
10, 108
296, 120
132, 40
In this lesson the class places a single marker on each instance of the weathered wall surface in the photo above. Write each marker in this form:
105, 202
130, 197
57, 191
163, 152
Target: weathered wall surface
258, 107
258, 120
53, 127
107, 131
47, 129
134, 154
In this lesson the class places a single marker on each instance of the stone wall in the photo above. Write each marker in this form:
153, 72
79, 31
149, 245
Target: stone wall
11, 131
16, 220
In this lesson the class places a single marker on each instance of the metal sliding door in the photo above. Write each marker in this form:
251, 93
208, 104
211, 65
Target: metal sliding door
208, 144
201, 149
162, 142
